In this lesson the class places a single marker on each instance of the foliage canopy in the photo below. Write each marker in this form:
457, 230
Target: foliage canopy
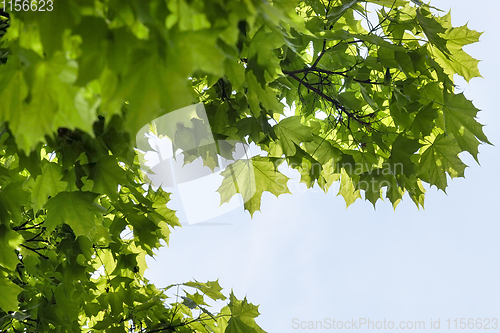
371, 83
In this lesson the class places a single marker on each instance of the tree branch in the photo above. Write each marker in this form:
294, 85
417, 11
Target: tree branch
36, 250
34, 239
328, 98
22, 226
325, 71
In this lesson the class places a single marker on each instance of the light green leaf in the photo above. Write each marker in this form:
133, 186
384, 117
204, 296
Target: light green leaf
347, 189
107, 175
47, 184
9, 241
10, 290
251, 178
433, 29
211, 288
337, 12
235, 72
243, 316
460, 120
13, 92
456, 38
323, 151
458, 61
160, 199
423, 123
257, 95
51, 93
401, 153
291, 132
78, 210
441, 157
372, 183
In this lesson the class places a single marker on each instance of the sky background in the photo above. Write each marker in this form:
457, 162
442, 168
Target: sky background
306, 256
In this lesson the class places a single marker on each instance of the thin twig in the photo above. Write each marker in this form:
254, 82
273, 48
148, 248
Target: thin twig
36, 250
328, 98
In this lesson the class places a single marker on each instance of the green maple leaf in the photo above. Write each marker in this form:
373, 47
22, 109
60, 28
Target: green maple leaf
251, 178
13, 92
243, 316
47, 184
401, 152
337, 12
241, 308
460, 36
423, 122
107, 175
12, 198
394, 192
457, 60
258, 95
51, 102
197, 50
211, 288
154, 88
250, 125
291, 132
323, 151
262, 61
52, 26
372, 184
235, 72
434, 28
160, 200
193, 300
10, 290
347, 189
460, 120
447, 43
9, 241
78, 210
93, 31
441, 157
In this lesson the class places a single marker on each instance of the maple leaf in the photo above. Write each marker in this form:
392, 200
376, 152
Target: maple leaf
433, 29
441, 157
347, 189
460, 120
78, 210
457, 60
211, 288
107, 175
291, 132
250, 178
243, 316
47, 184
401, 153
10, 290
9, 241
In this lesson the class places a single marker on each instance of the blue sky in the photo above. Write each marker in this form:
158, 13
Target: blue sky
306, 256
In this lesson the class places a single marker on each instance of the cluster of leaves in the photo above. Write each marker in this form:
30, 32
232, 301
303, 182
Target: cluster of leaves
77, 224
76, 219
375, 103
375, 108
